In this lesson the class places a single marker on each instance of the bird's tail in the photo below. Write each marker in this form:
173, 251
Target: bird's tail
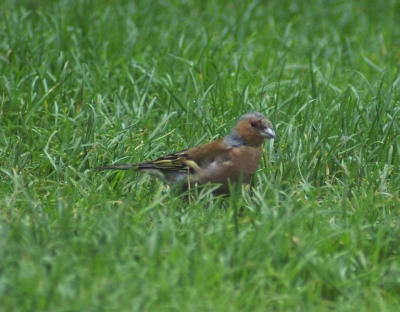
119, 167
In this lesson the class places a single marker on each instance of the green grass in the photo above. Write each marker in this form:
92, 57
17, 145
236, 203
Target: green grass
87, 83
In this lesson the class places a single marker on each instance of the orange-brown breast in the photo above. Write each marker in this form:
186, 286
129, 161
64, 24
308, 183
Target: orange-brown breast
240, 165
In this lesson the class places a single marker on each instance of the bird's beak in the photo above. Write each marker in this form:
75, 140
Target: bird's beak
269, 133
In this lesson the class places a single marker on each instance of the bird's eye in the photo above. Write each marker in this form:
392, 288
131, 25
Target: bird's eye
253, 124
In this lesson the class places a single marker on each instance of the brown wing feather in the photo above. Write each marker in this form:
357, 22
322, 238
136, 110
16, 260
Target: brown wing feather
191, 159
206, 153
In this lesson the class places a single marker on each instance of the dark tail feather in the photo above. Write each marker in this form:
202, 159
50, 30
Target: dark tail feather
118, 167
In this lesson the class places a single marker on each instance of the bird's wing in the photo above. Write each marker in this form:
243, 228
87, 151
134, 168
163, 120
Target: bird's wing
173, 162
190, 160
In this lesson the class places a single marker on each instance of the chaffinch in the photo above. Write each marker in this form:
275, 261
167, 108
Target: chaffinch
233, 158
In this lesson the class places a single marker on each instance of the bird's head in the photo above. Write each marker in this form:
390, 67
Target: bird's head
254, 128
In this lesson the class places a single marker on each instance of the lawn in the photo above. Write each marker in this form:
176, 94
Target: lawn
88, 83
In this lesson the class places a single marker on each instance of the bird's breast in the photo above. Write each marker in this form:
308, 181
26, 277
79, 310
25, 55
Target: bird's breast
246, 158
241, 163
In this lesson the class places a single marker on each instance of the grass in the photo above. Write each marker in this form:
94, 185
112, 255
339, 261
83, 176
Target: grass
88, 83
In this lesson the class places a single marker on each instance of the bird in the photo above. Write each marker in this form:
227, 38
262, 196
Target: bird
231, 159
